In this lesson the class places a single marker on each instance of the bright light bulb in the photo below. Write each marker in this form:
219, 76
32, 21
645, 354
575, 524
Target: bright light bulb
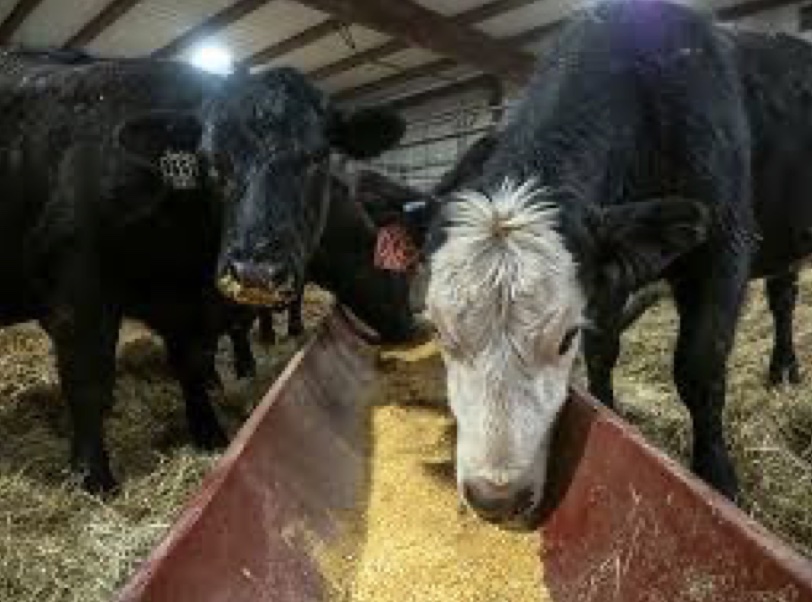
215, 59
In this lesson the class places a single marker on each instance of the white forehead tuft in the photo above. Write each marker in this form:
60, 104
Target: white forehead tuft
503, 260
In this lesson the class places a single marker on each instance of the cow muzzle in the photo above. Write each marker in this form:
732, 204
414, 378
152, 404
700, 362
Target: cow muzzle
263, 284
512, 506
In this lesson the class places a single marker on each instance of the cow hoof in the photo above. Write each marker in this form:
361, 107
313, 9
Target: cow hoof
718, 472
99, 481
208, 437
784, 375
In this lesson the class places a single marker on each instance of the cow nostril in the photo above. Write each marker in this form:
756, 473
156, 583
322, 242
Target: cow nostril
499, 502
279, 276
525, 500
237, 270
489, 498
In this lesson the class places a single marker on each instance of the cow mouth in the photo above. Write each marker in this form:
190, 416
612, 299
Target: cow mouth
273, 297
525, 518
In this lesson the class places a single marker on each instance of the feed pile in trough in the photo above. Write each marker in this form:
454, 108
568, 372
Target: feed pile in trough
769, 431
410, 541
59, 544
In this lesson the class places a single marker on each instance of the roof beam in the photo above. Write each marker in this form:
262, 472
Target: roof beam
429, 69
461, 86
221, 20
301, 39
106, 17
433, 67
465, 18
15, 18
745, 9
419, 26
729, 13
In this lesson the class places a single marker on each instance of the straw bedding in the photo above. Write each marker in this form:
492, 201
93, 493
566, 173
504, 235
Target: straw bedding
59, 544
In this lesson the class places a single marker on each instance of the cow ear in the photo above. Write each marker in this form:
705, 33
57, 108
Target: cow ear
151, 135
633, 243
365, 133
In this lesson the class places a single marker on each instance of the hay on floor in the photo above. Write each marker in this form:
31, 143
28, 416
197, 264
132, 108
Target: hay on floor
56, 542
769, 430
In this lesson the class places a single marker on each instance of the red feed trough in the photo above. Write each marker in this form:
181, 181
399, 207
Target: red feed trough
624, 523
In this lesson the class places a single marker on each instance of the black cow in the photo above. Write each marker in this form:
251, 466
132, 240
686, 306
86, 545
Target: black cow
344, 265
200, 180
777, 97
647, 146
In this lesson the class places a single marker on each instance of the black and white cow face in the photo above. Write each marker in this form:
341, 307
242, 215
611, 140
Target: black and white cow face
264, 144
505, 299
509, 297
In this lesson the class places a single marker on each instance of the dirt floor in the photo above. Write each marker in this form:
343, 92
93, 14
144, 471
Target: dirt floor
769, 430
59, 544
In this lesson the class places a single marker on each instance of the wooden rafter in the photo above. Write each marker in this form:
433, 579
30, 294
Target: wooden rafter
746, 9
221, 20
308, 36
15, 18
465, 18
730, 13
104, 19
432, 68
424, 28
461, 86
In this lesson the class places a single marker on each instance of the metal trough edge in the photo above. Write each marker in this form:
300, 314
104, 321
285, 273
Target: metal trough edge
623, 522
626, 523
245, 534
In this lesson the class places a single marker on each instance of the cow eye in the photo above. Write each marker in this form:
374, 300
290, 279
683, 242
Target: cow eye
566, 342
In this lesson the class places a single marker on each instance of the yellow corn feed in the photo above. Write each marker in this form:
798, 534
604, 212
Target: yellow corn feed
412, 541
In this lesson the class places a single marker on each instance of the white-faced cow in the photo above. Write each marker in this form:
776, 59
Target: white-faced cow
199, 180
642, 150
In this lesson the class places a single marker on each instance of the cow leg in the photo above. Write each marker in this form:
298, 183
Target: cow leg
708, 306
295, 323
782, 294
214, 382
267, 335
191, 360
245, 365
85, 333
601, 351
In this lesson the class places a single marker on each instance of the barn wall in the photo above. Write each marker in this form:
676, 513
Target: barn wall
437, 134
461, 116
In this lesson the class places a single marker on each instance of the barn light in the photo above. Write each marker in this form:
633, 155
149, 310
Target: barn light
215, 59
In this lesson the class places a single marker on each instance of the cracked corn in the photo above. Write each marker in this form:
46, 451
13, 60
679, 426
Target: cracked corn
411, 542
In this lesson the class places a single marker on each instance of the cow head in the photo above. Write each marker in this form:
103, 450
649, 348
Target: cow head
262, 145
512, 279
345, 264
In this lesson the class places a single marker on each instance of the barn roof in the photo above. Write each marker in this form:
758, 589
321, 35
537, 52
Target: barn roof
359, 50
